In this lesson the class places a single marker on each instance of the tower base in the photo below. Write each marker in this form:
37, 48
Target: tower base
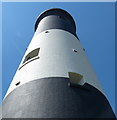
54, 98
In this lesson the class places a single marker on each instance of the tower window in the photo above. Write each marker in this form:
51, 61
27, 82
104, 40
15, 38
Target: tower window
74, 50
17, 83
46, 31
75, 78
31, 55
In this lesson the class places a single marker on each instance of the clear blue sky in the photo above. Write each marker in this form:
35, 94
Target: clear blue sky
95, 24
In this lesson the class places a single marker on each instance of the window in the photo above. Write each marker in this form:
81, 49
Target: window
46, 31
75, 78
74, 50
31, 55
17, 83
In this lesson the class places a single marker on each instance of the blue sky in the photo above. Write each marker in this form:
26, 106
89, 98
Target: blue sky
95, 24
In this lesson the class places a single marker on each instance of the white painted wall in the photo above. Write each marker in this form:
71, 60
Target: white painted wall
56, 59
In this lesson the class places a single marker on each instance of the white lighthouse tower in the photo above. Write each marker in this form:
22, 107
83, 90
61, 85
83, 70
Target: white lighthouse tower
55, 79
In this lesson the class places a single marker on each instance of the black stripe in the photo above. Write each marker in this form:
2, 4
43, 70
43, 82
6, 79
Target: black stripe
56, 19
53, 98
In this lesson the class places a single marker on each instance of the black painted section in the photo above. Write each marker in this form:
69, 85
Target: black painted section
53, 98
56, 19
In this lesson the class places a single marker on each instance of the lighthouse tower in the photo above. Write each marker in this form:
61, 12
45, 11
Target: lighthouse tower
55, 79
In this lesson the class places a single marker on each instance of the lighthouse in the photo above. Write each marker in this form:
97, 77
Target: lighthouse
55, 78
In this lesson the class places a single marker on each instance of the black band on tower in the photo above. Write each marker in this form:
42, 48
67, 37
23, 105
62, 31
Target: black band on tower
53, 98
56, 19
